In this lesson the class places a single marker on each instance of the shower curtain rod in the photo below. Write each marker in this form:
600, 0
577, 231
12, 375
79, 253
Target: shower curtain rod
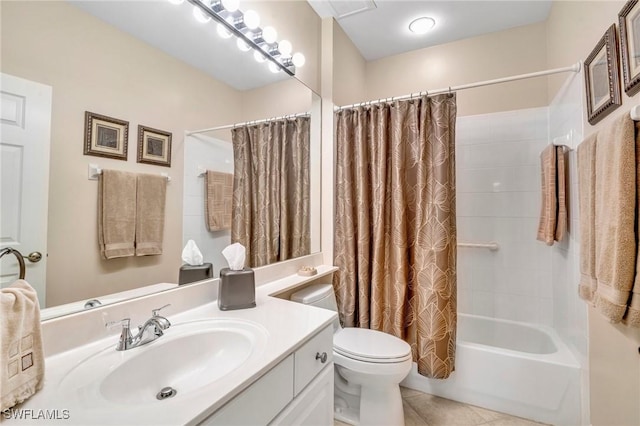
573, 68
246, 123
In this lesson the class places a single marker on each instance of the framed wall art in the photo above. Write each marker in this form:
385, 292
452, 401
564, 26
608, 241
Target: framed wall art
105, 136
154, 146
629, 18
601, 77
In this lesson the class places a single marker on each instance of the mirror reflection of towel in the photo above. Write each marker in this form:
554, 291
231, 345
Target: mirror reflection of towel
21, 353
150, 207
219, 200
117, 213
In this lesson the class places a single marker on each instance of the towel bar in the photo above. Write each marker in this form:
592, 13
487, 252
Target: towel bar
493, 246
95, 171
18, 256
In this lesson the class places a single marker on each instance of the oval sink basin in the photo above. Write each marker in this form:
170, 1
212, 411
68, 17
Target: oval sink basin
189, 357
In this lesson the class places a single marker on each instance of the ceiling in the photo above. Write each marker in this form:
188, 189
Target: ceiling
383, 30
172, 29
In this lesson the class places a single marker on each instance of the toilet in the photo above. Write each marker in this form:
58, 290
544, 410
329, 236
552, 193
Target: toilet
369, 366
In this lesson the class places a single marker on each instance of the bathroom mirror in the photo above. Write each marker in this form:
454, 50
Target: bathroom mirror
118, 59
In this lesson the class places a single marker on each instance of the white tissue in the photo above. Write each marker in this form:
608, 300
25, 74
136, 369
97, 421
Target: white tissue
235, 255
191, 254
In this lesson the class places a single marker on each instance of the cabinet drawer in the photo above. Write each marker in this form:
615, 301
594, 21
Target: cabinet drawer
309, 358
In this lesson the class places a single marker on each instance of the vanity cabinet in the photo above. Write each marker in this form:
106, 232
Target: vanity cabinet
297, 391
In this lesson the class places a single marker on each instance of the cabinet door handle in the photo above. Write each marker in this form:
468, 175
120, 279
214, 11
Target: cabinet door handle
322, 357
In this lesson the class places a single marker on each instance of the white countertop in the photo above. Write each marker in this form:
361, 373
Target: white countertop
288, 325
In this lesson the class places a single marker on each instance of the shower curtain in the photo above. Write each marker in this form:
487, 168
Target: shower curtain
271, 190
395, 237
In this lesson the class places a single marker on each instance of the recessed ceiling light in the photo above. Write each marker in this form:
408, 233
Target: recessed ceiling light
422, 25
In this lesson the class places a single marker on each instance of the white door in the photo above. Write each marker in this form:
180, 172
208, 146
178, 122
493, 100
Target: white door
25, 129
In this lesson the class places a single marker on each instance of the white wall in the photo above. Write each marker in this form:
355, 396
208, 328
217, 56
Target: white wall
498, 196
202, 151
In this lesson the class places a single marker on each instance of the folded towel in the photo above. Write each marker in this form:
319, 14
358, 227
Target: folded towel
615, 215
21, 354
151, 196
632, 316
219, 200
116, 213
562, 214
587, 206
549, 207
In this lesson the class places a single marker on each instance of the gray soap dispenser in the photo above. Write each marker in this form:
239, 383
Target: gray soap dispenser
237, 288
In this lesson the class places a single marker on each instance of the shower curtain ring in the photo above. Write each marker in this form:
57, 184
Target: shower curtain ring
449, 89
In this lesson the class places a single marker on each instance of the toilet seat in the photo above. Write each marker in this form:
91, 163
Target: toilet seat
371, 346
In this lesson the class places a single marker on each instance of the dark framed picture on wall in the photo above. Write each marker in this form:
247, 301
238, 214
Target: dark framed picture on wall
601, 77
154, 146
629, 18
105, 136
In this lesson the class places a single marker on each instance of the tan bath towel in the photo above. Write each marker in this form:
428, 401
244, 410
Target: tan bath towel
219, 200
152, 191
615, 215
116, 213
562, 177
549, 207
587, 206
21, 354
632, 316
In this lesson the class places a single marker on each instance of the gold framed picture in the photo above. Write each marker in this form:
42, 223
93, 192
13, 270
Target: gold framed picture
629, 18
154, 146
601, 77
105, 136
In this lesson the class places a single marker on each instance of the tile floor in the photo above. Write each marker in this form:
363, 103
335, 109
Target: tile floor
421, 409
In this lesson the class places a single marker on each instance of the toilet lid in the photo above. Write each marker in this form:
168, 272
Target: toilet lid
366, 344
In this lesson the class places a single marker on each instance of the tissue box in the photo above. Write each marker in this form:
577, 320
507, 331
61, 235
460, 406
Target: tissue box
192, 273
237, 289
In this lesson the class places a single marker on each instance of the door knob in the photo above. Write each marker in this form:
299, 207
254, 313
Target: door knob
34, 257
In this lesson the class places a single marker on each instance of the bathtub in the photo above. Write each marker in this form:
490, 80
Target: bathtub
521, 369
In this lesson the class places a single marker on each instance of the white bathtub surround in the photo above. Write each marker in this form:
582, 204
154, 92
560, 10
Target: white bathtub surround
88, 335
498, 199
520, 369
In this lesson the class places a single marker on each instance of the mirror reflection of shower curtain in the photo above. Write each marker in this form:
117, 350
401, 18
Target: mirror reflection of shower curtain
395, 232
271, 190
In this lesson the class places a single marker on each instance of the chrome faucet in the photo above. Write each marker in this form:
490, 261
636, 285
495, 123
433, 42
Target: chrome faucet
148, 332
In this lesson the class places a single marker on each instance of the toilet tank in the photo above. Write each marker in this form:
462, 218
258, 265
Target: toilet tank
320, 295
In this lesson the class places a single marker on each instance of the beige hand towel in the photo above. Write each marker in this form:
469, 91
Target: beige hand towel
21, 354
587, 205
562, 213
116, 213
218, 205
549, 207
615, 215
152, 191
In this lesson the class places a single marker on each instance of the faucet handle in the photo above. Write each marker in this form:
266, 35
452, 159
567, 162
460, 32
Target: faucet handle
125, 323
154, 312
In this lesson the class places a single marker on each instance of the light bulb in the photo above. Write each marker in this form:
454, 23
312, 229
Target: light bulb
298, 59
251, 19
285, 48
200, 15
230, 5
242, 45
259, 56
273, 68
176, 1
269, 34
422, 25
223, 31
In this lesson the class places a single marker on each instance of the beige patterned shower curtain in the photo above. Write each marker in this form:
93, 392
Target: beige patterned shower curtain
271, 190
395, 238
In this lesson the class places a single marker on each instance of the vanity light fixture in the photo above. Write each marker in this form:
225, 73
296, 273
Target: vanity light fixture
246, 27
422, 25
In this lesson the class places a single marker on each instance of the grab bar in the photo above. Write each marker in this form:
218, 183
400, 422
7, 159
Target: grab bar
493, 246
18, 256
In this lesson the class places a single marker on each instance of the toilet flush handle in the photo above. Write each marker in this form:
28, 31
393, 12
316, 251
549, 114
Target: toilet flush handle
322, 357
